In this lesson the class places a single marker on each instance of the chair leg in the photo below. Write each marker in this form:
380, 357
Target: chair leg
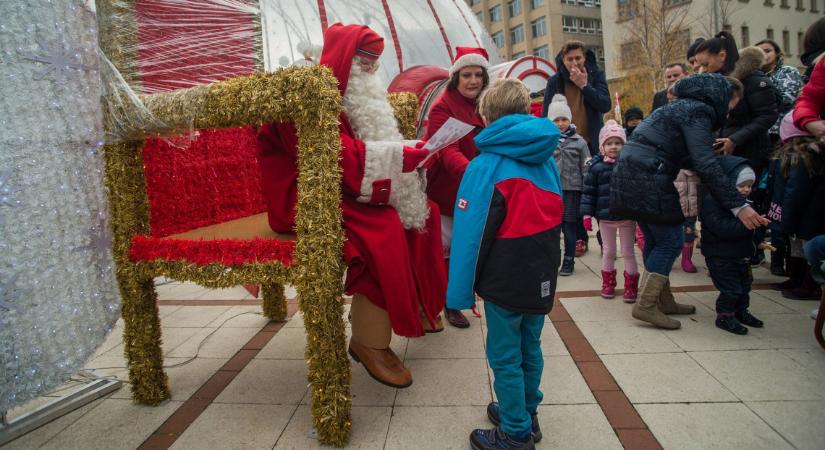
141, 340
820, 320
328, 365
274, 301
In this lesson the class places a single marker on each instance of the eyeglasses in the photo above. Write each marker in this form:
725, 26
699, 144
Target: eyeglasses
367, 65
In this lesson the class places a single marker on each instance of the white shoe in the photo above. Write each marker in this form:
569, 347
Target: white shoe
814, 313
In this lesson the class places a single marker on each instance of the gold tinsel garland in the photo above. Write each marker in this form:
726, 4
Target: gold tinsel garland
405, 107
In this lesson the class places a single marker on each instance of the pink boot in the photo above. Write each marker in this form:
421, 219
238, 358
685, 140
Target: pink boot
640, 239
631, 287
687, 254
608, 284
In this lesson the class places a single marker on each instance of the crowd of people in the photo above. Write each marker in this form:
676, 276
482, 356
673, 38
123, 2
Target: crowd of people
728, 153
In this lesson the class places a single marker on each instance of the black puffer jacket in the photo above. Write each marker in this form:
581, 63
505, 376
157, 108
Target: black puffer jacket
748, 123
596, 193
676, 136
797, 201
723, 235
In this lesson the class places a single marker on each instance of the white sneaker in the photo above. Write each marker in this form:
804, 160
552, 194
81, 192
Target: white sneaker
814, 313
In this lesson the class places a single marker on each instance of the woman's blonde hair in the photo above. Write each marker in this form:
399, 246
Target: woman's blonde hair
504, 96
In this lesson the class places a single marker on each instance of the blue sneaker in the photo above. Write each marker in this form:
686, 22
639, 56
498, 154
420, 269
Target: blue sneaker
495, 439
492, 414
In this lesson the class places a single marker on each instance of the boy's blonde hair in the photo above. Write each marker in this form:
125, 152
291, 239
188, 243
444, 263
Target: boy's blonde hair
504, 96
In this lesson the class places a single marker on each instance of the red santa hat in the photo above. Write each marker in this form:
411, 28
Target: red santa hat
342, 43
469, 56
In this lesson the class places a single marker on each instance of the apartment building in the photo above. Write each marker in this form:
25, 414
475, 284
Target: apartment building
540, 27
750, 21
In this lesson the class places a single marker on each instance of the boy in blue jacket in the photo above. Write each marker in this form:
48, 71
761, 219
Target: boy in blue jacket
506, 248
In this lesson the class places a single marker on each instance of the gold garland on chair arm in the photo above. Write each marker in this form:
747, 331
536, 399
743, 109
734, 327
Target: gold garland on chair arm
405, 108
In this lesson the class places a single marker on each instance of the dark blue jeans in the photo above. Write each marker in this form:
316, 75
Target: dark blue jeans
815, 254
663, 244
568, 229
732, 277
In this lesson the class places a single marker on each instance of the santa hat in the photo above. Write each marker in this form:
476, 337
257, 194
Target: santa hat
469, 56
558, 108
611, 129
787, 130
342, 43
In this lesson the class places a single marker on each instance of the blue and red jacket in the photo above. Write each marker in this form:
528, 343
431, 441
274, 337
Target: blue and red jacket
507, 219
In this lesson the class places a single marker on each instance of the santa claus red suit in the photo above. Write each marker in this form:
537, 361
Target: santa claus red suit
393, 244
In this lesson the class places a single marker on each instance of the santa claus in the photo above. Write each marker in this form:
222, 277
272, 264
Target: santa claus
393, 248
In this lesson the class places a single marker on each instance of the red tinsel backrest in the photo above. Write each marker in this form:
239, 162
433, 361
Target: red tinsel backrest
214, 178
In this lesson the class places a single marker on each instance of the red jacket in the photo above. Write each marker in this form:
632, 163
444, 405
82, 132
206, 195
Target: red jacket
444, 175
811, 102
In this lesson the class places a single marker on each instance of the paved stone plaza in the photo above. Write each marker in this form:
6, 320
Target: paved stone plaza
609, 381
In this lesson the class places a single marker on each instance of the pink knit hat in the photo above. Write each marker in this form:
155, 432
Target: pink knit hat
611, 129
788, 130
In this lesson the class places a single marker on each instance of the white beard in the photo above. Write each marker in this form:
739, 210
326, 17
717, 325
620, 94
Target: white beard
373, 120
366, 105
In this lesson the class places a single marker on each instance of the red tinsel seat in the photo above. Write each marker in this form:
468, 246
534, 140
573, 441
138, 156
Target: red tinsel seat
239, 241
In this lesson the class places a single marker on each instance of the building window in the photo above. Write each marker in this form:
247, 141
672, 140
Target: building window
630, 54
495, 13
582, 25
498, 39
474, 2
628, 9
786, 42
514, 6
814, 9
516, 34
800, 5
542, 52
518, 55
800, 39
480, 17
669, 3
784, 4
538, 27
746, 36
769, 33
584, 3
768, 3
536, 3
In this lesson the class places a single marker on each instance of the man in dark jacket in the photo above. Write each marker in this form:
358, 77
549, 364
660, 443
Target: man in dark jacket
673, 73
584, 85
728, 246
676, 136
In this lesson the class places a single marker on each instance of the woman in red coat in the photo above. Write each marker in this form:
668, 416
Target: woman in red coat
807, 114
468, 78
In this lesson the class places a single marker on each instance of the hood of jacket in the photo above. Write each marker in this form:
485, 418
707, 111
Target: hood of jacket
732, 165
589, 64
709, 88
750, 60
522, 137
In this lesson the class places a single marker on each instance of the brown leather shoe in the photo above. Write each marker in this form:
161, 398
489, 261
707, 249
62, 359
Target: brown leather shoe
439, 324
382, 365
456, 318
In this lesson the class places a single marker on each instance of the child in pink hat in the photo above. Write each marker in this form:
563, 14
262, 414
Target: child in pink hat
596, 203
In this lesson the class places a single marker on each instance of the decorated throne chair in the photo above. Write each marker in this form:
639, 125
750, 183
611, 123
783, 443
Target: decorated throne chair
189, 207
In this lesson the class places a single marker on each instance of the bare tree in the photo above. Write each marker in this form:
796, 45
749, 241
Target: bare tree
720, 16
656, 32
